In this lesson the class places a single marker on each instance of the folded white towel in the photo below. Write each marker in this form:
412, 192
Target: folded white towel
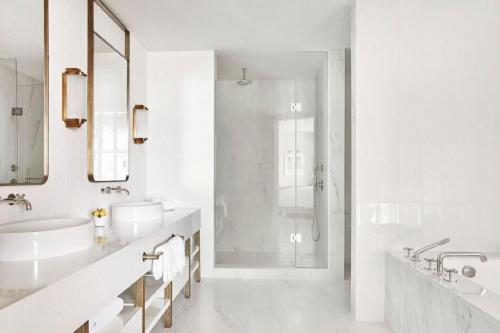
162, 267
179, 254
173, 257
106, 315
157, 266
171, 262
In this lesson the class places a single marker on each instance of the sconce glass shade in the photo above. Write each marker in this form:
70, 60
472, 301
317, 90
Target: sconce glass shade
74, 97
140, 124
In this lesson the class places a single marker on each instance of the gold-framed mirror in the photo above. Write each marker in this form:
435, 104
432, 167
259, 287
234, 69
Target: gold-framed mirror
24, 92
108, 138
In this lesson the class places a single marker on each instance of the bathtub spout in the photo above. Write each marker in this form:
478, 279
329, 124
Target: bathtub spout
416, 255
440, 259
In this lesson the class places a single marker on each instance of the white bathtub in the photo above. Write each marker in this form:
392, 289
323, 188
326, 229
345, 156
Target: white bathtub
487, 273
418, 301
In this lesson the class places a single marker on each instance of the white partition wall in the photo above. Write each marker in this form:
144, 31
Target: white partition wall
180, 150
427, 133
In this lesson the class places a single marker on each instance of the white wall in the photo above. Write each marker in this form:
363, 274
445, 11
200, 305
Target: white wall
427, 132
67, 191
180, 151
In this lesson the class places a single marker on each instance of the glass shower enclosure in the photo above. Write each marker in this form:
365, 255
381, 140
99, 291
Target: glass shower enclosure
21, 125
271, 193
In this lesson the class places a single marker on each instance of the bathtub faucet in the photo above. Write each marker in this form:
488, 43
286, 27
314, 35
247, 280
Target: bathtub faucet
416, 255
481, 256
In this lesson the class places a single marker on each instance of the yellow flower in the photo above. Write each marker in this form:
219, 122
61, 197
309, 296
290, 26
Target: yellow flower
99, 212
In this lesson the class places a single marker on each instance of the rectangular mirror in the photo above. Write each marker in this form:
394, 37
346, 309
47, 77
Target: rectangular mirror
24, 92
108, 91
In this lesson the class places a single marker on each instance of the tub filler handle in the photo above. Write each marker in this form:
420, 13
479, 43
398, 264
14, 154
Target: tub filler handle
408, 251
430, 263
450, 272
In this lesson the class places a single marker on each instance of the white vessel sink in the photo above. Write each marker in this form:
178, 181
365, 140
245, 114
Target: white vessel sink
135, 219
38, 239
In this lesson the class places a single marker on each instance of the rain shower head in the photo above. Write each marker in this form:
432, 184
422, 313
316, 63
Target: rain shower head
244, 81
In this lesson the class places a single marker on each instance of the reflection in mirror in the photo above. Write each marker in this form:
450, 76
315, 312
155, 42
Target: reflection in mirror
108, 112
23, 96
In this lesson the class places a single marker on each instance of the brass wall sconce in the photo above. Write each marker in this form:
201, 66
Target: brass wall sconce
74, 97
140, 124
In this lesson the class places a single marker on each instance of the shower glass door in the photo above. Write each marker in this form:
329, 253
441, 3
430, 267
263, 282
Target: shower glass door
266, 158
8, 123
311, 141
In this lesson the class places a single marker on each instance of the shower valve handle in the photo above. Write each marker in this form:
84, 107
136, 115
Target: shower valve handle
408, 251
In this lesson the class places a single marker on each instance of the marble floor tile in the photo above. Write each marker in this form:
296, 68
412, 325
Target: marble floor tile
267, 306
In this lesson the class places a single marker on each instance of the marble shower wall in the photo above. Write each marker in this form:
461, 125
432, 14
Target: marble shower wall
27, 152
8, 128
30, 98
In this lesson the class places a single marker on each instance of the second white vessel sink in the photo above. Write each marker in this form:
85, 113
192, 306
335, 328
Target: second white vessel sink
38, 239
136, 219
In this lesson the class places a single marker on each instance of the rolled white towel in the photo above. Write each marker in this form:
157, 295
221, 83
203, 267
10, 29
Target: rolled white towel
106, 315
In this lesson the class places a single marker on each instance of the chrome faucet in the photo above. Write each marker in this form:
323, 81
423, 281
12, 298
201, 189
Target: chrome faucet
416, 255
115, 189
481, 256
16, 199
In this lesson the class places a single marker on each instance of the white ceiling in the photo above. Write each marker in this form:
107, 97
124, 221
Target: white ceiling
236, 24
274, 65
243, 32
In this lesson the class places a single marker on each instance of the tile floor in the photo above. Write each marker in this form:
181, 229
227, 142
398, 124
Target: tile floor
267, 306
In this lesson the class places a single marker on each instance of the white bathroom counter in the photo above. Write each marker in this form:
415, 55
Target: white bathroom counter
59, 294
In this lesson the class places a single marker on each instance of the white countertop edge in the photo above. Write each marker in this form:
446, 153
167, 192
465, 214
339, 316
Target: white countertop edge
63, 305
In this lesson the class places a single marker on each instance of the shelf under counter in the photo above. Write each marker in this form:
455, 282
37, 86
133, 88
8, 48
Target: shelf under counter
194, 252
155, 312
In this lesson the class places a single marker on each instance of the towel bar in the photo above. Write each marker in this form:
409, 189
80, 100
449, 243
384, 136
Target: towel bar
156, 256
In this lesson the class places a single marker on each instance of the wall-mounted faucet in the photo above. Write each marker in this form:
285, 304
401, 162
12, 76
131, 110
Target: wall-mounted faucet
114, 189
416, 255
440, 267
16, 199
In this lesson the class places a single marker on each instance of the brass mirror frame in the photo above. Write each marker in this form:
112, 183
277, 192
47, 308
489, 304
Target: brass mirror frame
45, 176
90, 86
